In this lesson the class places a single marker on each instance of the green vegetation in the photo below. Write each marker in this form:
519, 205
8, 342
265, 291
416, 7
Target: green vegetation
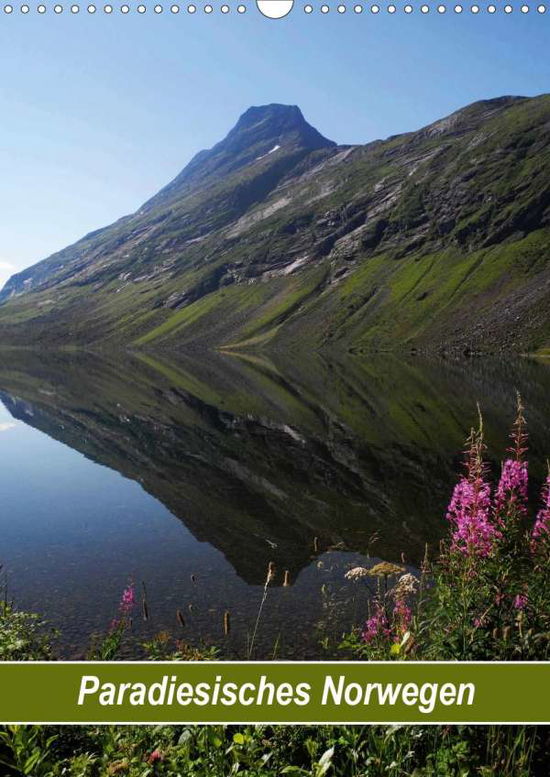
273, 751
23, 635
487, 596
435, 240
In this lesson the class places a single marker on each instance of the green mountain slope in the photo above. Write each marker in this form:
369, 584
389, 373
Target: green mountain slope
276, 237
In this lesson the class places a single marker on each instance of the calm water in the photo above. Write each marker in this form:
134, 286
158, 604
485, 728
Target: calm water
191, 476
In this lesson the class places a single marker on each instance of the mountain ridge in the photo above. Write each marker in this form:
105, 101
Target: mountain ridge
258, 132
278, 237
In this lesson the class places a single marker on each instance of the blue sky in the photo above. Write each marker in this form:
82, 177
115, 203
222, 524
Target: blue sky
98, 112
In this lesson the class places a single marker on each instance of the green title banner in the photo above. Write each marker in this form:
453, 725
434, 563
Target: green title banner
274, 692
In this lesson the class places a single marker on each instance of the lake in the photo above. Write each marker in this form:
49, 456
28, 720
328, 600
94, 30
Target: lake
189, 476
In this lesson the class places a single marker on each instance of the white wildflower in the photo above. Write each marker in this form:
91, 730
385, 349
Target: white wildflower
406, 585
356, 573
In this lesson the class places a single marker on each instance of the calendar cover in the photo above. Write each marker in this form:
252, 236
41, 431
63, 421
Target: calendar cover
275, 388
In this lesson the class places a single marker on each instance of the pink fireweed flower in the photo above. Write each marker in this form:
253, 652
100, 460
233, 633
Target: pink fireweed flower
127, 600
123, 620
541, 529
376, 626
520, 602
402, 615
518, 435
156, 756
511, 491
469, 512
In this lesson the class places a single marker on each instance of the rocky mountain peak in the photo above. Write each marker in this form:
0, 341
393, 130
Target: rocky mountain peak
275, 122
260, 132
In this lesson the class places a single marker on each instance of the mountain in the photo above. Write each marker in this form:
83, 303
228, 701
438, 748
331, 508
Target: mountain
260, 132
277, 238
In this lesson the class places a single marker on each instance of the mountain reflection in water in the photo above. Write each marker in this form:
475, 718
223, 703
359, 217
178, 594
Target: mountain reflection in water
312, 462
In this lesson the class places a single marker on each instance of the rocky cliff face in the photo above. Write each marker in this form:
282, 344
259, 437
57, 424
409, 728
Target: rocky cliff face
277, 237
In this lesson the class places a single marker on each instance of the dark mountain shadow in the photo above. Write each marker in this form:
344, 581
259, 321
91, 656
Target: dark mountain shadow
280, 460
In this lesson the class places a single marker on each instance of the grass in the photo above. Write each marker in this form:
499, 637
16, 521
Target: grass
253, 311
